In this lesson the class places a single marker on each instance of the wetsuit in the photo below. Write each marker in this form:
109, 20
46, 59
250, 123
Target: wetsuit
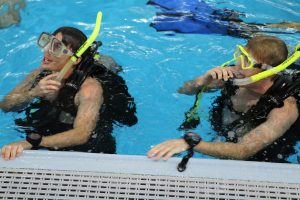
49, 118
236, 124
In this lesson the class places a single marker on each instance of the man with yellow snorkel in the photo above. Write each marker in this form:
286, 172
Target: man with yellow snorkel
70, 102
257, 111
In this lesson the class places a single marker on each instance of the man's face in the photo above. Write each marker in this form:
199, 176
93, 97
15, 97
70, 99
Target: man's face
246, 64
242, 73
52, 62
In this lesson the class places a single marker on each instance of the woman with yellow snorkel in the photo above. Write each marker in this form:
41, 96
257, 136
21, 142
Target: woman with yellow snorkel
70, 102
257, 113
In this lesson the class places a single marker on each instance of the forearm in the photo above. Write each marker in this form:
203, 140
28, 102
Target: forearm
191, 87
17, 100
223, 150
21, 95
278, 122
66, 139
200, 83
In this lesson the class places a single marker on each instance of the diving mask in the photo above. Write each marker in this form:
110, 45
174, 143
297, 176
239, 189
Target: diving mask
56, 47
244, 60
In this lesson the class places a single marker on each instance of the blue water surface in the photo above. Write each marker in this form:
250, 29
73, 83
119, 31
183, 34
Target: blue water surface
155, 64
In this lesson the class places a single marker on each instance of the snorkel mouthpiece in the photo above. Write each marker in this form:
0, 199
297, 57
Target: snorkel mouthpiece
270, 72
82, 49
242, 81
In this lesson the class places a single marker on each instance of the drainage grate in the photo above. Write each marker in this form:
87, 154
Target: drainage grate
59, 184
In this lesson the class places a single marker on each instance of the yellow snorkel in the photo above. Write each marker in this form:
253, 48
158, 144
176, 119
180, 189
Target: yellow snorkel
82, 49
272, 71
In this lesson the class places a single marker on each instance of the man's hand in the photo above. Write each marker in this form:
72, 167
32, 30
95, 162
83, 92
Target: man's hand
167, 149
47, 87
212, 79
218, 73
13, 150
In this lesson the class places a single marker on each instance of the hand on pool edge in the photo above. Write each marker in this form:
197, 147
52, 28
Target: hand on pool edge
167, 149
15, 149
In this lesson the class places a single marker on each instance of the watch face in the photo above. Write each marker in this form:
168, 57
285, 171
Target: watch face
34, 139
192, 139
34, 136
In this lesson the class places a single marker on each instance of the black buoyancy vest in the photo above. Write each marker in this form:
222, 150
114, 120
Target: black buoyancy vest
279, 150
49, 118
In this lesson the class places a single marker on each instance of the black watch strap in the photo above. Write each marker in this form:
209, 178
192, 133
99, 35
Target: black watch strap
34, 139
192, 139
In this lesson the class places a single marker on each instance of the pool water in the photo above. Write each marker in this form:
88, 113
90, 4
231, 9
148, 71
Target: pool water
155, 64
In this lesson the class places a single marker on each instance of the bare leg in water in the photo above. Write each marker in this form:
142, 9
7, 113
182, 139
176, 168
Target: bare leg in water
295, 25
248, 30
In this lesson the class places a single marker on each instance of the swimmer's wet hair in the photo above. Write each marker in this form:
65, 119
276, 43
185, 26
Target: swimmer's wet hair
270, 50
72, 37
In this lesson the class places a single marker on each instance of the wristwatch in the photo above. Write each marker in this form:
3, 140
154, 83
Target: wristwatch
34, 139
192, 139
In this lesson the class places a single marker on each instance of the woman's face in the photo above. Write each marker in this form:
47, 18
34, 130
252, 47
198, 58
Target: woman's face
51, 62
